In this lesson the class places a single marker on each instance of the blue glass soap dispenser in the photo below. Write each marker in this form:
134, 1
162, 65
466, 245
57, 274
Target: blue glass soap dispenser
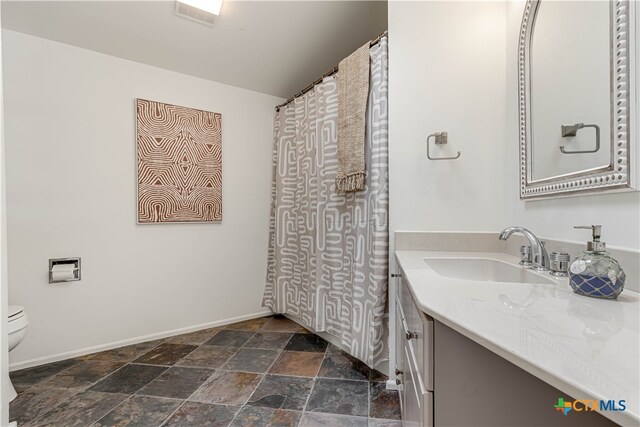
595, 273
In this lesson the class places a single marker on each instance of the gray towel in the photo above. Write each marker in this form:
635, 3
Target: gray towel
353, 91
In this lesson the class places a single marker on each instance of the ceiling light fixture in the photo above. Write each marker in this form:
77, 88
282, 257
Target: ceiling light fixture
203, 11
210, 6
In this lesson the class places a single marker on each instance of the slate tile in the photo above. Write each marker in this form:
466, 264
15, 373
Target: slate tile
129, 379
384, 403
83, 410
318, 419
379, 422
142, 411
306, 342
37, 401
230, 338
266, 417
227, 388
344, 366
345, 397
251, 360
166, 354
297, 363
29, 377
83, 374
192, 414
377, 376
373, 374
177, 382
208, 356
248, 325
124, 354
269, 340
282, 324
277, 391
341, 397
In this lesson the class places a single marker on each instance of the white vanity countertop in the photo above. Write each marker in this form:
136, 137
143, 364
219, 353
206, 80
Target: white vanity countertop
586, 347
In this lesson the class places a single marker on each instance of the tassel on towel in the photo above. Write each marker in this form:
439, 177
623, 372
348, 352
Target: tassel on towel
353, 93
350, 183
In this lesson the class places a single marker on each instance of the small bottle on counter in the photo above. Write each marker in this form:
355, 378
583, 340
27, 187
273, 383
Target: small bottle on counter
595, 273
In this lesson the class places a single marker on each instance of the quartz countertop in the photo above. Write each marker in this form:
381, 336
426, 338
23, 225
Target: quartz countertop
586, 347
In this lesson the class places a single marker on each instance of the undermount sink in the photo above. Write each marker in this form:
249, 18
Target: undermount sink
484, 270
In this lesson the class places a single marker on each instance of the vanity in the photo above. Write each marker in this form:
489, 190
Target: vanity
480, 340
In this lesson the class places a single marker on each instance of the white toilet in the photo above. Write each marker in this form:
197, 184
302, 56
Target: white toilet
18, 323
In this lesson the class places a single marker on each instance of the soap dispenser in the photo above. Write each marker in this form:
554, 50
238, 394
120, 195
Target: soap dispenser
595, 273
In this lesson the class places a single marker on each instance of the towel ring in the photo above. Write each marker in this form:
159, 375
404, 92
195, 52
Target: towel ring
440, 139
572, 130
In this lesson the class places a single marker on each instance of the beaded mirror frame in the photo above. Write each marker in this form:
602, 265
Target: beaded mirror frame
617, 175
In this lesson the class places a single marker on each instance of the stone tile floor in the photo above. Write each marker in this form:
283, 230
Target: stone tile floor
261, 372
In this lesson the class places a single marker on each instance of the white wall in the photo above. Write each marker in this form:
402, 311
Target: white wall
452, 66
447, 73
71, 179
618, 213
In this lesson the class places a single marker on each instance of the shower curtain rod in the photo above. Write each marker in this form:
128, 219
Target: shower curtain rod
327, 74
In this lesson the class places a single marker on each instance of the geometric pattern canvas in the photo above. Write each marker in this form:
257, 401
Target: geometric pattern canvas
179, 153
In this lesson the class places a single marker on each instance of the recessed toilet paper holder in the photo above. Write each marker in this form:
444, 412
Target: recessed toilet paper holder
75, 262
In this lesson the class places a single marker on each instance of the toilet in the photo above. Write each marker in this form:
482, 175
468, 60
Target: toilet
18, 323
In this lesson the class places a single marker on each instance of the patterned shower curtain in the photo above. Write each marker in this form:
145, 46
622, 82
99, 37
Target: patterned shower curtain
328, 253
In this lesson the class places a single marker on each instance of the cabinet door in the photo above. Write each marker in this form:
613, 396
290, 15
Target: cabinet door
473, 383
420, 328
412, 406
399, 351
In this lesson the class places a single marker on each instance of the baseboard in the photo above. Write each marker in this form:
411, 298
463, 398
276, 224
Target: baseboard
159, 335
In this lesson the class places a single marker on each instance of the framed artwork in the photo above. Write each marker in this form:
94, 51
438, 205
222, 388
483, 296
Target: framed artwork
179, 156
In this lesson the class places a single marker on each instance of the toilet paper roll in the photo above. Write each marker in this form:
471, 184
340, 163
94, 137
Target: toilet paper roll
63, 271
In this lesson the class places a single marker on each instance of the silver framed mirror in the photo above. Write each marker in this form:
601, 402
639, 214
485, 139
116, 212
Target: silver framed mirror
577, 97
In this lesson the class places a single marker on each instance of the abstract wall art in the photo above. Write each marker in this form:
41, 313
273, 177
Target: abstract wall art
179, 153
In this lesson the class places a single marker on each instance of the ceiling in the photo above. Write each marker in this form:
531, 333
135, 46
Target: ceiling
274, 47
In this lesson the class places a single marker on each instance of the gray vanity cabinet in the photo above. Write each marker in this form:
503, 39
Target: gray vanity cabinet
447, 379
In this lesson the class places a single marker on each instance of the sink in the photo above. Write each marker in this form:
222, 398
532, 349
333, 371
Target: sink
484, 270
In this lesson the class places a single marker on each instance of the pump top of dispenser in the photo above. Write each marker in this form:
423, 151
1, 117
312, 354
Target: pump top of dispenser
595, 245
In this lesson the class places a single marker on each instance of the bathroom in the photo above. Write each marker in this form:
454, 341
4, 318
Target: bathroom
128, 320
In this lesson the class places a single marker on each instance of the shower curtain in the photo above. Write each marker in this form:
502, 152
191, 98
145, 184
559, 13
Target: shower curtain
328, 253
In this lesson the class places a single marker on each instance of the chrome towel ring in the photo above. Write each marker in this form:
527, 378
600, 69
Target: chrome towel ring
572, 130
440, 139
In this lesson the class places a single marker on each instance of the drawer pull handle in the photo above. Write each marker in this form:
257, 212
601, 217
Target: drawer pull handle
411, 335
398, 373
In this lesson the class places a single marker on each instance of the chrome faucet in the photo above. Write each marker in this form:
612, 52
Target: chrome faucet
541, 258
